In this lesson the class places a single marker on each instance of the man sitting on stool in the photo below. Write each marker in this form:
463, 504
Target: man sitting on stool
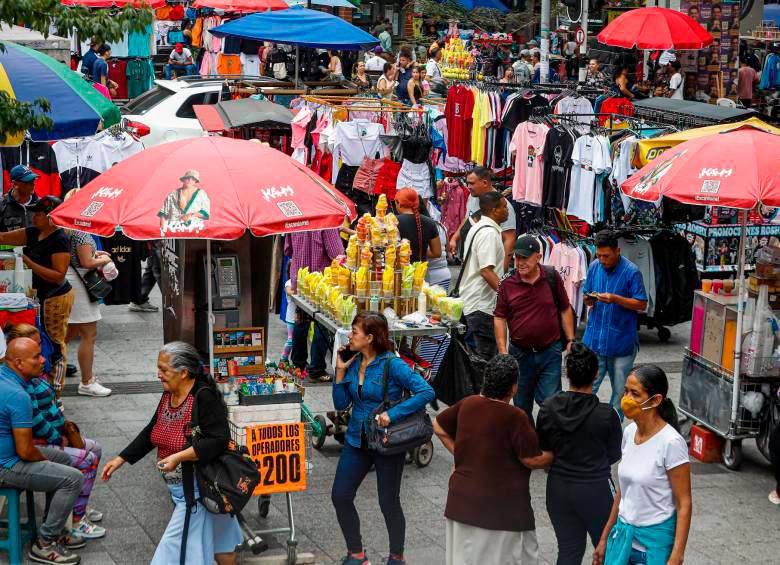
180, 60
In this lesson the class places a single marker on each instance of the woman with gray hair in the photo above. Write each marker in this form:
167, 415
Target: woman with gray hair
489, 514
185, 388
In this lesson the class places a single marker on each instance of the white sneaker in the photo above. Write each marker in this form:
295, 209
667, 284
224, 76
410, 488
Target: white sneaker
94, 515
774, 498
88, 530
94, 388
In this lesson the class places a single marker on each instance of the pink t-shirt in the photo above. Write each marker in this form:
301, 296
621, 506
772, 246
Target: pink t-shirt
567, 262
746, 78
528, 143
298, 126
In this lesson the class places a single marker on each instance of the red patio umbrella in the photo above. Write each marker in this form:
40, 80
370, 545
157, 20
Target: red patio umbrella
242, 5
737, 168
205, 188
655, 28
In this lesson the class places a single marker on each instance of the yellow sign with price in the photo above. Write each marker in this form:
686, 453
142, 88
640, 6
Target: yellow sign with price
280, 453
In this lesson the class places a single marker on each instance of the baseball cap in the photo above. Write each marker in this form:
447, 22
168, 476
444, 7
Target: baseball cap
46, 204
377, 49
526, 246
533, 42
525, 53
22, 174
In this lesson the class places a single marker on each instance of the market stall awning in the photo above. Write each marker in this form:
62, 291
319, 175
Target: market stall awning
651, 148
327, 3
655, 28
298, 26
243, 6
236, 113
77, 109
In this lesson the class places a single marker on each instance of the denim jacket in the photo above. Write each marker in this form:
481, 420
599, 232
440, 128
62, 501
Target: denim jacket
400, 377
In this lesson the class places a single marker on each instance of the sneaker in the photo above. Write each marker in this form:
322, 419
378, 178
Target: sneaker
88, 530
352, 560
52, 553
94, 389
774, 498
145, 307
72, 541
94, 515
71, 370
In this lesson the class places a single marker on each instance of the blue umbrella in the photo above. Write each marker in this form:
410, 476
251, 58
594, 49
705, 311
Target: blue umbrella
300, 27
492, 4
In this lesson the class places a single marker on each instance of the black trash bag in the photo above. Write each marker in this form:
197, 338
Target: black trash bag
460, 374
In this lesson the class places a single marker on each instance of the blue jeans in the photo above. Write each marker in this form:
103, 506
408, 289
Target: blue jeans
618, 369
637, 557
538, 376
180, 69
319, 345
353, 467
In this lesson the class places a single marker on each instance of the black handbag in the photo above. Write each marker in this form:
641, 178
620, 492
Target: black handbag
398, 437
97, 286
460, 374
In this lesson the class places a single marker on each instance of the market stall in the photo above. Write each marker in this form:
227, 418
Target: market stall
730, 370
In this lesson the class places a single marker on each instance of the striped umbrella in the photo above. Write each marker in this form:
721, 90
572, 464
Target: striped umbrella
77, 109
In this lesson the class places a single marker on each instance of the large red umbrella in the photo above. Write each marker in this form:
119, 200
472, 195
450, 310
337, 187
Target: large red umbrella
242, 5
205, 188
738, 168
655, 28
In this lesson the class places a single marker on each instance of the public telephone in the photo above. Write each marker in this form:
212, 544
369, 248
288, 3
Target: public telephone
225, 289
225, 295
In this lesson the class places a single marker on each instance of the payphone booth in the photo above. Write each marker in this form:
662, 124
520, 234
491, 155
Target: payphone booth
243, 280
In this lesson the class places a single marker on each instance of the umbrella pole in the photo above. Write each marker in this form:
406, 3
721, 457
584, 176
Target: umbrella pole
297, 62
211, 312
742, 293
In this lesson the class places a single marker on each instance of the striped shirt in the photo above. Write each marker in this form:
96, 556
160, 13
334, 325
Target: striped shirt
47, 418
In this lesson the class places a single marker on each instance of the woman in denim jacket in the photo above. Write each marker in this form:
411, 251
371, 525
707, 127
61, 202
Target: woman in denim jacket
359, 382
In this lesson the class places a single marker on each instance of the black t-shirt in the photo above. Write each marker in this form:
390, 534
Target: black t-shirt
127, 254
41, 251
407, 227
558, 149
521, 109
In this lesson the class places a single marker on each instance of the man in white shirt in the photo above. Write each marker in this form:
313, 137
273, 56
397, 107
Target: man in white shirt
433, 69
375, 62
482, 270
676, 83
180, 60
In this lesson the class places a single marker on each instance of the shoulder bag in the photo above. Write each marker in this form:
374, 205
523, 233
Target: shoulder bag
97, 286
455, 292
398, 437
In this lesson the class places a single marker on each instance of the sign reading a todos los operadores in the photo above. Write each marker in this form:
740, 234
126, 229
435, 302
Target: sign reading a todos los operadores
280, 453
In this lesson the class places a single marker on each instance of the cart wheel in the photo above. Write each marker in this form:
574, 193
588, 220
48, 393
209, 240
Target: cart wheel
339, 437
732, 454
292, 552
319, 440
423, 455
263, 506
664, 334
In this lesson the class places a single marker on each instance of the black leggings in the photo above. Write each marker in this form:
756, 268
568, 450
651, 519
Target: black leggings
577, 510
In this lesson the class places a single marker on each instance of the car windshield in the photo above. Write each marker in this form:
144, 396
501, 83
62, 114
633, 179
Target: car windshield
146, 101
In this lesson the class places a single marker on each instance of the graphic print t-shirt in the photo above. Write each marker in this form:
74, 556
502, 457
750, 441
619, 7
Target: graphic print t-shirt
590, 158
557, 165
528, 143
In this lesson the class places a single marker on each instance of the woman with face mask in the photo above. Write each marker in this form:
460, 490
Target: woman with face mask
651, 514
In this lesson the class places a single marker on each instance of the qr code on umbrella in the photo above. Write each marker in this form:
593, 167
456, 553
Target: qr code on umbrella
93, 208
289, 209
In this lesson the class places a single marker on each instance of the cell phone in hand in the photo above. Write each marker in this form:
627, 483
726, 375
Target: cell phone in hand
346, 354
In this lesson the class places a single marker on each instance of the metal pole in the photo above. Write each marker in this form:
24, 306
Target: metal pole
584, 47
544, 70
297, 63
742, 293
211, 313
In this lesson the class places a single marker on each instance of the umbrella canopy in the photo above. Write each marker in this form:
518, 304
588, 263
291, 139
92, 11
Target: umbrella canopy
474, 4
739, 168
115, 3
242, 5
329, 3
652, 147
77, 109
655, 28
205, 188
298, 26
236, 113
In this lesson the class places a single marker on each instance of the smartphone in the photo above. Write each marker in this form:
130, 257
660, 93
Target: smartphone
346, 354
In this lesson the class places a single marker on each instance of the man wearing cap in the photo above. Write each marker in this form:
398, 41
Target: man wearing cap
14, 206
532, 316
180, 60
375, 62
186, 208
89, 58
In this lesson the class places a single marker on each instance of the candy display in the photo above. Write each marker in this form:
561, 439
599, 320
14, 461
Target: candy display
456, 60
277, 379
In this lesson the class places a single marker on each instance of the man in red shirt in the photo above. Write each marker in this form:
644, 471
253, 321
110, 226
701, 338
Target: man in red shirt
746, 80
533, 304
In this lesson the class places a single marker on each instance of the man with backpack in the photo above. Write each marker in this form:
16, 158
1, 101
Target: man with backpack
534, 322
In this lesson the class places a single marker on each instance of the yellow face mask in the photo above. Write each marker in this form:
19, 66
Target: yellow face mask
631, 408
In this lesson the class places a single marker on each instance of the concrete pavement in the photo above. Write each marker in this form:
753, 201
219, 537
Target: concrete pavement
733, 521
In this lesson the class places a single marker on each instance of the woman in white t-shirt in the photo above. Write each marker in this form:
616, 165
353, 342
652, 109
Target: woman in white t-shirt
677, 82
651, 514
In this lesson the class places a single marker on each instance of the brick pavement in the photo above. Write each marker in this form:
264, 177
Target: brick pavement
733, 521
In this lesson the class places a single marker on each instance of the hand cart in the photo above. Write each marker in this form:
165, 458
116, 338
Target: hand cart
707, 396
253, 540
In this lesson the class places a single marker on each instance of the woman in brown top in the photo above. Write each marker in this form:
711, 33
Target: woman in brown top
489, 514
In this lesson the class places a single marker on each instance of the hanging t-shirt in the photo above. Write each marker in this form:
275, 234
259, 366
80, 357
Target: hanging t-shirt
556, 159
41, 159
298, 126
127, 255
354, 141
250, 65
589, 158
459, 109
528, 144
640, 253
568, 262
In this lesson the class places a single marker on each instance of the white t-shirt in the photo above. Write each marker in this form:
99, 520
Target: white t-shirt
488, 251
590, 158
645, 491
472, 207
375, 63
289, 315
676, 84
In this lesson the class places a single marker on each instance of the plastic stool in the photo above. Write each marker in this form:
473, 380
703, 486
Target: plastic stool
19, 533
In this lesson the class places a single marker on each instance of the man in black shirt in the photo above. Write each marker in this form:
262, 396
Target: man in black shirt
14, 205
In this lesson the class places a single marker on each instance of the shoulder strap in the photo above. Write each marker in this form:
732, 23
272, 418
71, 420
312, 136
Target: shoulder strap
456, 289
549, 274
385, 379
